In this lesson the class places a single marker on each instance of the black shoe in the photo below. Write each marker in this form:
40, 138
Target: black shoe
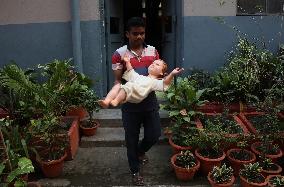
137, 179
143, 159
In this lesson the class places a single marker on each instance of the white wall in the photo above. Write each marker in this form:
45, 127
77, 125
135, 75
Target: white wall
42, 11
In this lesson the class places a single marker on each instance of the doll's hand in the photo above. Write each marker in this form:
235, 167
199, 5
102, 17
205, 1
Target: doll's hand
177, 71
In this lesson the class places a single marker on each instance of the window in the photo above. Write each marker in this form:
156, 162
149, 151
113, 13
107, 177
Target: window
260, 7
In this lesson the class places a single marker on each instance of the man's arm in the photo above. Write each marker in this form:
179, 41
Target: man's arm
168, 79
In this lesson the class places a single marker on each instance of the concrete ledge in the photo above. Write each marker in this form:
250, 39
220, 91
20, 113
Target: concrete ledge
111, 137
112, 118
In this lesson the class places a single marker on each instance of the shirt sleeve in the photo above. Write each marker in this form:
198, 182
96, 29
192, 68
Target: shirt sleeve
158, 85
157, 56
116, 61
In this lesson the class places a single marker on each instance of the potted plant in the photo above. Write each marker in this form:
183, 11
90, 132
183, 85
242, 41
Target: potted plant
266, 148
185, 165
51, 156
251, 175
269, 168
208, 150
89, 126
239, 156
182, 98
229, 124
275, 180
221, 176
181, 138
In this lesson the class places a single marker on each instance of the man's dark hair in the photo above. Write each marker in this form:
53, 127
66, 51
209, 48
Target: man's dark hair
135, 22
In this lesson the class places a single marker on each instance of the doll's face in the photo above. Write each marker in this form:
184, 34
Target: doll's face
157, 68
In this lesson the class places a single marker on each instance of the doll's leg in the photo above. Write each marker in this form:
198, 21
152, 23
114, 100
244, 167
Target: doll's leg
121, 96
110, 96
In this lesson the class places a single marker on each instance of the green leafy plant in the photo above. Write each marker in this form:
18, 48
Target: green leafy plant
277, 181
251, 172
208, 143
221, 123
50, 131
242, 143
24, 167
182, 99
266, 146
222, 174
185, 159
266, 163
90, 103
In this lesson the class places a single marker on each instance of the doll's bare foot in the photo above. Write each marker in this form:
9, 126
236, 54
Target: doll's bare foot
114, 103
103, 103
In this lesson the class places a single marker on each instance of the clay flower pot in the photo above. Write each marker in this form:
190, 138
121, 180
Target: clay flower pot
238, 164
278, 170
274, 157
89, 131
177, 148
245, 183
184, 174
207, 164
214, 184
79, 111
53, 168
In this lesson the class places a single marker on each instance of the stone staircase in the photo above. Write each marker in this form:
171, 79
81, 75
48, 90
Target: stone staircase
101, 160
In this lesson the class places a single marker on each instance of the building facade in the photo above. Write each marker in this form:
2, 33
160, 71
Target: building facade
187, 33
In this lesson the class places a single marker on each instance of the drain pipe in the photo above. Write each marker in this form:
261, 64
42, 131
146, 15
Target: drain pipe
76, 35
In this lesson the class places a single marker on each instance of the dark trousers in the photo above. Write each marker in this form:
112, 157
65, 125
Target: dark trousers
152, 131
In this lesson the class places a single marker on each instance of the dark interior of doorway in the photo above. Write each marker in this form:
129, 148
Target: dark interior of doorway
150, 10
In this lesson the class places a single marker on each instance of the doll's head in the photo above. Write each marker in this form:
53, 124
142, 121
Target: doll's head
158, 68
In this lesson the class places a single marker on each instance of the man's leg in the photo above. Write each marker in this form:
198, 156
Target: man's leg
110, 96
152, 131
132, 122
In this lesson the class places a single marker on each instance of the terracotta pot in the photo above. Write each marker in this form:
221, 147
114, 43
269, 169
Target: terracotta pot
238, 164
245, 183
207, 164
52, 169
73, 136
3, 113
183, 173
266, 173
90, 131
177, 148
270, 177
79, 111
211, 107
33, 184
214, 184
274, 158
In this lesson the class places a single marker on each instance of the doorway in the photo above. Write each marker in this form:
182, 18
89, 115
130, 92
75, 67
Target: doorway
160, 19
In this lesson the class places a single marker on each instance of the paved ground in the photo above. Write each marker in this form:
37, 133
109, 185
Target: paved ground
101, 160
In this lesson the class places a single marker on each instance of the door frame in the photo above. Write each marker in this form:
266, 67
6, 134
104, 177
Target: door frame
178, 43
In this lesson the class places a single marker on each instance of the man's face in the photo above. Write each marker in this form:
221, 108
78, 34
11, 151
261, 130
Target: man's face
136, 36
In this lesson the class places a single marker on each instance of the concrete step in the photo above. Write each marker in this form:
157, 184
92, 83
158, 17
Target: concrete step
112, 117
111, 137
108, 166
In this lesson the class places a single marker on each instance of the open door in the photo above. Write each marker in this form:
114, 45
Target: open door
168, 43
114, 33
